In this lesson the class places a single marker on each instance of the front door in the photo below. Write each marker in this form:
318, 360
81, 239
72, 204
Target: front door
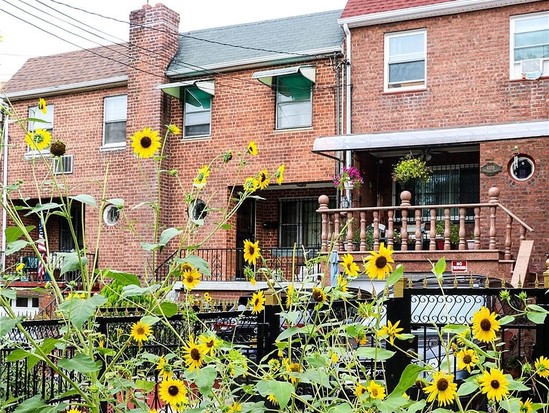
245, 230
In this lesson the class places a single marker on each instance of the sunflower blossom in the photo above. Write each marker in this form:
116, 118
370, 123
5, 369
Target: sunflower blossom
280, 174
257, 302
193, 354
391, 331
251, 252
467, 359
542, 366
191, 278
145, 143
174, 130
173, 392
235, 408
209, 343
526, 406
360, 389
201, 176
251, 184
252, 148
378, 264
164, 369
263, 179
485, 325
42, 106
38, 140
376, 390
494, 384
319, 295
350, 267
140, 332
74, 411
443, 388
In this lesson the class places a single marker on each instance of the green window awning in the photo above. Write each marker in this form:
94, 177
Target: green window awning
268, 77
174, 89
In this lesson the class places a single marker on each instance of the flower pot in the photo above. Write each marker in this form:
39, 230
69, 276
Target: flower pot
349, 185
439, 243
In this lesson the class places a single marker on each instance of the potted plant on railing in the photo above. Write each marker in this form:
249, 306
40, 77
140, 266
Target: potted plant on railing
454, 234
409, 170
349, 178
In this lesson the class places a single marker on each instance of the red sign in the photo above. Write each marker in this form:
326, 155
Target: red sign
459, 266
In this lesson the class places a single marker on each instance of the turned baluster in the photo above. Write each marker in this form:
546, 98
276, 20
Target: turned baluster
419, 235
462, 242
390, 233
494, 198
350, 234
405, 198
376, 230
433, 230
323, 201
508, 226
476, 231
447, 244
362, 231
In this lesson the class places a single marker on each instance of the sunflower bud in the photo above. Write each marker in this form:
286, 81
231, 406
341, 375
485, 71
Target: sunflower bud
58, 148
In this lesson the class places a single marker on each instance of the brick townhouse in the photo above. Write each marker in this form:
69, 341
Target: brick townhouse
463, 85
276, 82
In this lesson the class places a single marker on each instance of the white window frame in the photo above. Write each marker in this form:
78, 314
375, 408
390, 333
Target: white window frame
47, 117
515, 66
185, 117
307, 124
411, 58
120, 115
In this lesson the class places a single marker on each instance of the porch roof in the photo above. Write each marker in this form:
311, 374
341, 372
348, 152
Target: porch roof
427, 137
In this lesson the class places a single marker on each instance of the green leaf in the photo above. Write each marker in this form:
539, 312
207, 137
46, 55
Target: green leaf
43, 207
14, 233
516, 385
85, 199
467, 388
7, 324
281, 390
454, 328
168, 234
205, 379
80, 363
9, 293
147, 246
18, 354
168, 309
511, 405
537, 318
374, 353
49, 344
71, 262
146, 385
226, 227
396, 275
33, 405
407, 380
80, 310
199, 263
289, 332
439, 268
123, 278
15, 246
316, 376
135, 290
150, 320
341, 408
506, 320
416, 407
117, 202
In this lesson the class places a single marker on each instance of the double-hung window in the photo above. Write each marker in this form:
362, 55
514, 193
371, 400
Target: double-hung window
197, 107
529, 45
39, 120
115, 115
405, 60
300, 224
294, 107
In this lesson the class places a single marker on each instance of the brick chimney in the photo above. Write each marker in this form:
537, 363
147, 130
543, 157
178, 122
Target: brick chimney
154, 40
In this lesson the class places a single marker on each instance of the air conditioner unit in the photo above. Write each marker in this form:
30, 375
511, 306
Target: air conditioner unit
531, 69
62, 165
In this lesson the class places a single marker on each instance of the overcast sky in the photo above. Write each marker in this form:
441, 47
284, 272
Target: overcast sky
32, 28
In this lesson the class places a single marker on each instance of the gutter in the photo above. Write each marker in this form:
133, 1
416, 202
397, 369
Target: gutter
4, 190
348, 129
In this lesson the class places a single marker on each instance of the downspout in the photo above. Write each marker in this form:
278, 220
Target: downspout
348, 131
4, 186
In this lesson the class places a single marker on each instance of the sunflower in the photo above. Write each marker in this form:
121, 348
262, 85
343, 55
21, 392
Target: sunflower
173, 392
378, 264
360, 389
42, 106
174, 130
164, 369
201, 176
252, 148
376, 390
290, 295
207, 297
350, 267
263, 179
251, 184
272, 399
319, 295
145, 143
280, 174
494, 384
74, 411
193, 354
485, 325
140, 332
391, 331
342, 283
467, 358
257, 302
209, 342
38, 140
19, 267
191, 278
442, 388
235, 408
251, 252
292, 369
526, 406
542, 366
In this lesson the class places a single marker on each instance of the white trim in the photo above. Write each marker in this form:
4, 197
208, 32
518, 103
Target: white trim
423, 137
421, 12
114, 120
515, 67
174, 89
266, 76
52, 90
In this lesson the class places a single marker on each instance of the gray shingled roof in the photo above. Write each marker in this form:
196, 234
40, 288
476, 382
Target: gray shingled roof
283, 39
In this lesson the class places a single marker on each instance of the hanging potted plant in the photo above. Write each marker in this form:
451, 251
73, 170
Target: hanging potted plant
349, 178
408, 170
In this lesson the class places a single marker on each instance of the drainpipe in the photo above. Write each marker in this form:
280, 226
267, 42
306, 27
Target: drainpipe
4, 186
348, 154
